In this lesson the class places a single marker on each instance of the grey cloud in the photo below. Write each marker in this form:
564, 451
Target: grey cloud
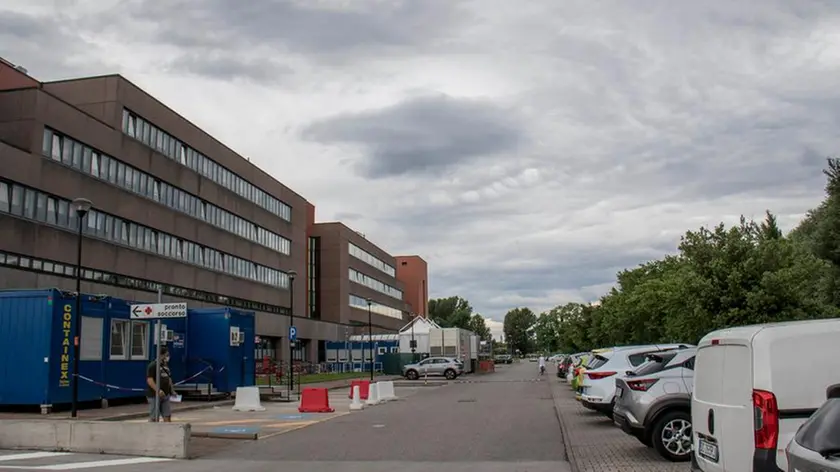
49, 47
300, 26
425, 135
227, 67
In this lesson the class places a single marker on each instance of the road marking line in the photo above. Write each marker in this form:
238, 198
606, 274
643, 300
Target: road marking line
295, 428
32, 455
90, 465
229, 422
289, 423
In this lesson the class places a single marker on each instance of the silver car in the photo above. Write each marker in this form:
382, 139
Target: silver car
653, 403
448, 367
816, 446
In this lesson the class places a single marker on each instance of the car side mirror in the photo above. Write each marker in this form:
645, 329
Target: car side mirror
832, 392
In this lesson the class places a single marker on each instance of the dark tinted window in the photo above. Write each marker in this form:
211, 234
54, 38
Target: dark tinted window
595, 362
637, 359
689, 364
654, 363
821, 432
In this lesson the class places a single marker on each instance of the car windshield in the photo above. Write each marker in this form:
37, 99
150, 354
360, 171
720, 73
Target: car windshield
821, 433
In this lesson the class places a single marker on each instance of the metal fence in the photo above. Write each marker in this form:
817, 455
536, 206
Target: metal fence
276, 372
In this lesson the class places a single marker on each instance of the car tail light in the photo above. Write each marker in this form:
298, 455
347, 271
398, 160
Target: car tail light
641, 385
765, 419
599, 375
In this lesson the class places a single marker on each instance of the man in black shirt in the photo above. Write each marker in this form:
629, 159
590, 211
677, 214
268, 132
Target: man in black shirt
165, 391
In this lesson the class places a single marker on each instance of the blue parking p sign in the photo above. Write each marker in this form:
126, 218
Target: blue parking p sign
292, 334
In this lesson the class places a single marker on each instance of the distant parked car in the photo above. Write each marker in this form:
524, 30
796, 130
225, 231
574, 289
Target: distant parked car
816, 445
448, 367
503, 359
653, 403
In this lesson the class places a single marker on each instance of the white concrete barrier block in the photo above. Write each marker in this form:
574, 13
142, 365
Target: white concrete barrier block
356, 404
385, 389
373, 395
168, 440
248, 399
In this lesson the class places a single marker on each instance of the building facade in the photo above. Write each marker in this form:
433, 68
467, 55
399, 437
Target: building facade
353, 270
413, 272
172, 209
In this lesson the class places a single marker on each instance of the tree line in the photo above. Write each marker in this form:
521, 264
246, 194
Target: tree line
720, 277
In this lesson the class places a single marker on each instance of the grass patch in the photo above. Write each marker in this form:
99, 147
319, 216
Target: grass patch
317, 378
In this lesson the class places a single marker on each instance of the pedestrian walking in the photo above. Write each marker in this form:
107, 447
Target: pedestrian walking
164, 391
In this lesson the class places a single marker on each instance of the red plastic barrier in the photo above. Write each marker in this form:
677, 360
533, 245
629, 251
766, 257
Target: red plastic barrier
364, 388
315, 400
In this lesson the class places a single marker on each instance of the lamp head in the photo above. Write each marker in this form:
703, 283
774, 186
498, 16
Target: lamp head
81, 206
292, 275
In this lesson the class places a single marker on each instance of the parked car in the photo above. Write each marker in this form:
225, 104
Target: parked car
653, 403
448, 367
563, 364
816, 445
503, 359
754, 386
597, 388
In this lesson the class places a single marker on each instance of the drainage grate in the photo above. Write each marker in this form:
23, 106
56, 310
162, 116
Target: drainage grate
467, 400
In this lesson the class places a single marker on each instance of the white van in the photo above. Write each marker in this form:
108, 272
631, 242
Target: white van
754, 386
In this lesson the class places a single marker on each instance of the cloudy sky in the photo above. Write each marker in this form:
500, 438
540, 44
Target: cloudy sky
527, 150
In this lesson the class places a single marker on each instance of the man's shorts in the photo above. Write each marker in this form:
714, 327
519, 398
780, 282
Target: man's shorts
165, 408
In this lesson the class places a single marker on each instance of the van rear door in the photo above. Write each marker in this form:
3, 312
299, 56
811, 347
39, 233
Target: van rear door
721, 407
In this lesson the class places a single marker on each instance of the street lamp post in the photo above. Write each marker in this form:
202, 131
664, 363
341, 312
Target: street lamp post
370, 336
82, 207
292, 275
413, 342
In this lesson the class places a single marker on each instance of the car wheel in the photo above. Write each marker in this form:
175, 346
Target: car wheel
450, 374
612, 408
672, 436
412, 375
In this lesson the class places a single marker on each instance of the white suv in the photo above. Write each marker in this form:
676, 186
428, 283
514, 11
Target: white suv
597, 390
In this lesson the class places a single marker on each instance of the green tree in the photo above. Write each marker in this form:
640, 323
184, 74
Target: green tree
451, 312
518, 326
547, 330
478, 326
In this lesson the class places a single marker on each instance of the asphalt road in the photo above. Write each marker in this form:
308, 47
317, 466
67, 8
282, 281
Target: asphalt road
507, 417
499, 422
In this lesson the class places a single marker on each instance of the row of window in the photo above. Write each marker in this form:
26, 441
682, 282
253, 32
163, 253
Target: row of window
361, 303
154, 137
371, 260
32, 204
61, 269
90, 161
313, 252
129, 340
370, 282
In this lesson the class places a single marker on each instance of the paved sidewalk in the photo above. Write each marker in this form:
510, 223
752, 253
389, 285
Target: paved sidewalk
594, 444
141, 409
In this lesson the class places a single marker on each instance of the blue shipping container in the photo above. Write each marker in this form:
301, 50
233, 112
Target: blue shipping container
37, 332
204, 345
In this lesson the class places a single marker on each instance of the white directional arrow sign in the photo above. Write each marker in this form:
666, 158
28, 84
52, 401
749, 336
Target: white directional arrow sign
158, 310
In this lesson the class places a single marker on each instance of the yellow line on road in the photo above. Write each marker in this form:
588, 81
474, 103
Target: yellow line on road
223, 423
301, 426
287, 424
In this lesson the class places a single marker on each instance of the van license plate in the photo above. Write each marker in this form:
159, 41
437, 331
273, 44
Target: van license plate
619, 392
708, 451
